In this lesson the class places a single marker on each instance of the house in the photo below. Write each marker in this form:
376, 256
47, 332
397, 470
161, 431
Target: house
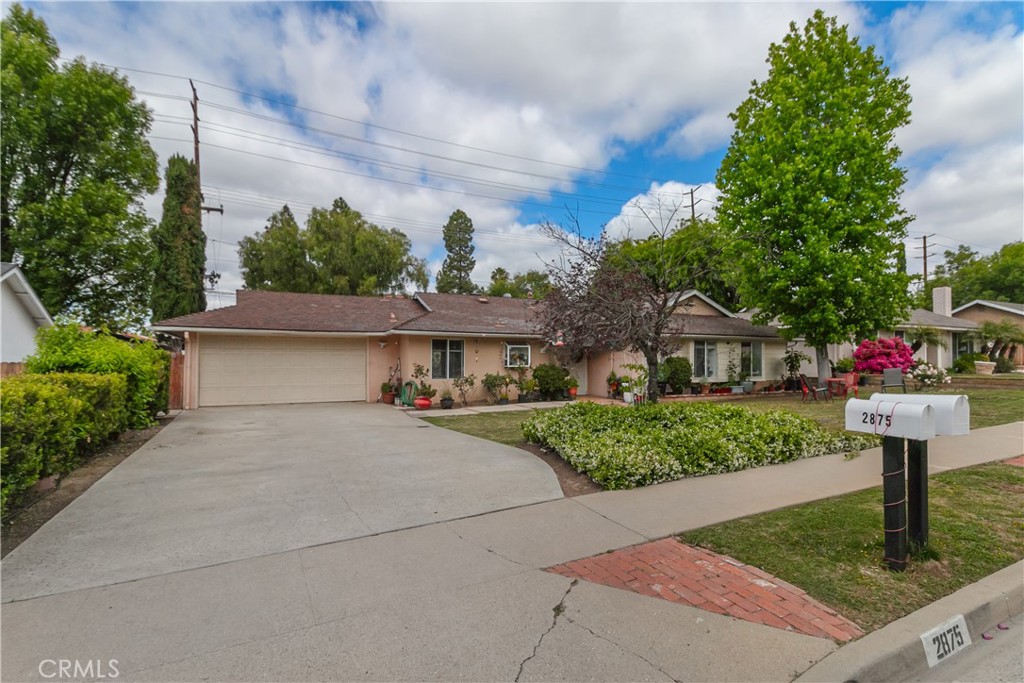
274, 347
982, 310
955, 334
712, 337
22, 314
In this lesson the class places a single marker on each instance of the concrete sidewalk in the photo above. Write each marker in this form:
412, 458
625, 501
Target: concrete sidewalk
460, 600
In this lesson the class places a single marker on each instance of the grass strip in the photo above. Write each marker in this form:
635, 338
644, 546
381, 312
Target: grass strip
833, 548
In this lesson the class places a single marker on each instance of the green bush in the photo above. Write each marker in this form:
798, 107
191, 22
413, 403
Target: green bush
965, 363
551, 379
48, 422
1004, 364
67, 348
679, 372
629, 447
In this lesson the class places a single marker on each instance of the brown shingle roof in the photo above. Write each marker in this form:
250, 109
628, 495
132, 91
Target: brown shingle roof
439, 313
924, 317
285, 311
474, 315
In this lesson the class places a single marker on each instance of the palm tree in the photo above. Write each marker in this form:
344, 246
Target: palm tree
919, 335
1000, 337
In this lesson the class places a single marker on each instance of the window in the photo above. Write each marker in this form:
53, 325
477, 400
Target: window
751, 355
517, 355
963, 343
705, 358
446, 358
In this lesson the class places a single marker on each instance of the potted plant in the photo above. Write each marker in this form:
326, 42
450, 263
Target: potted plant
387, 393
446, 399
503, 398
613, 384
550, 380
463, 385
638, 383
793, 359
705, 386
494, 384
527, 390
572, 386
424, 392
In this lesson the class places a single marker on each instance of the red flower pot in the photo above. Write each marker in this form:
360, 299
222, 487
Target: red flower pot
422, 402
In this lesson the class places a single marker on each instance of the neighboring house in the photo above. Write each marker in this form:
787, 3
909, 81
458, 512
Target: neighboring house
712, 337
273, 347
981, 310
956, 334
21, 314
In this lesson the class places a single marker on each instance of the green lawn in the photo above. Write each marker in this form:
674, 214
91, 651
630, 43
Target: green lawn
833, 548
988, 407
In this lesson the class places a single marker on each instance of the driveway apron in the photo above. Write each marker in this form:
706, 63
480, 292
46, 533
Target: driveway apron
223, 484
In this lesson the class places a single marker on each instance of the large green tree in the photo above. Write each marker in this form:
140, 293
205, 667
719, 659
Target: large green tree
74, 166
453, 278
811, 181
338, 252
691, 256
179, 265
997, 277
532, 283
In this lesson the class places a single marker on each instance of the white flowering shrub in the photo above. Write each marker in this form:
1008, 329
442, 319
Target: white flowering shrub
927, 375
625, 448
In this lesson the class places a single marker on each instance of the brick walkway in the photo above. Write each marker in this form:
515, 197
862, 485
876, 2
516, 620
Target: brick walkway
680, 573
1019, 461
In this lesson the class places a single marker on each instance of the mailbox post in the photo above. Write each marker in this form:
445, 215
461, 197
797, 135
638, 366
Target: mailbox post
952, 418
893, 421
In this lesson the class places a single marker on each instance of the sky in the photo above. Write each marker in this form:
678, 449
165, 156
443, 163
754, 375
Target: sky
525, 113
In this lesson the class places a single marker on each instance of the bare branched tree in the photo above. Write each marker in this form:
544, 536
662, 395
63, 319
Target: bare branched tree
612, 294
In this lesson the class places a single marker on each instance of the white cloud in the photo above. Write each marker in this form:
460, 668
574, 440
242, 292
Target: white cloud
576, 85
661, 208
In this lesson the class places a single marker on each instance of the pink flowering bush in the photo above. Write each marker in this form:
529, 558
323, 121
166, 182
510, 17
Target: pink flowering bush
875, 356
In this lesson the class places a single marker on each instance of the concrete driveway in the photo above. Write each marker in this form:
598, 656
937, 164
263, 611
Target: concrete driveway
223, 484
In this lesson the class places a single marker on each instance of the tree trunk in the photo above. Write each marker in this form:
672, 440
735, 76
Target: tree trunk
824, 368
652, 377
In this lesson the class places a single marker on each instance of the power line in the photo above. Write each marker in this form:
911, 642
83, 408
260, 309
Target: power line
376, 126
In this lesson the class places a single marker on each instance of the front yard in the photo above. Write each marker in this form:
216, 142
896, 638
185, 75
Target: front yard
833, 548
989, 407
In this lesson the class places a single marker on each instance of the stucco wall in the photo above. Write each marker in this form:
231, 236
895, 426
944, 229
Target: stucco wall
380, 362
481, 356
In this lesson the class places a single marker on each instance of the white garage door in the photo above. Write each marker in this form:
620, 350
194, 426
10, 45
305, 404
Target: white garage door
250, 370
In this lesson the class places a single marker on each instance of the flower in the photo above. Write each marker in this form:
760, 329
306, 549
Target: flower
875, 356
929, 375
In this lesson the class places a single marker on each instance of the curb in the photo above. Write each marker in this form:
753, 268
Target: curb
895, 652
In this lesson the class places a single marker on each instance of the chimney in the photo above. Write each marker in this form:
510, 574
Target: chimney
942, 301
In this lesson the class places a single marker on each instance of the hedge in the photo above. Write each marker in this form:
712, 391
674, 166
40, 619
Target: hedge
48, 422
628, 447
68, 348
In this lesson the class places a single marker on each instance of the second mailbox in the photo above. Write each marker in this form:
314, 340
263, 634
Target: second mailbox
952, 411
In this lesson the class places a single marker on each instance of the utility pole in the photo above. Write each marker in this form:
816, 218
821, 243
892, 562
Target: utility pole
924, 257
195, 149
693, 204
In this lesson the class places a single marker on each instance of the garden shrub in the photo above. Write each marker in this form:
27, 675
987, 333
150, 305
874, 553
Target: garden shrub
551, 379
38, 433
67, 348
625, 448
965, 363
875, 356
1004, 364
48, 422
679, 372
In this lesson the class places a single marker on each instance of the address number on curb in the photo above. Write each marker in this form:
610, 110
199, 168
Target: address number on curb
945, 640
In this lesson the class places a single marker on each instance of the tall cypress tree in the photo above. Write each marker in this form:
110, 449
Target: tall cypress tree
453, 277
179, 265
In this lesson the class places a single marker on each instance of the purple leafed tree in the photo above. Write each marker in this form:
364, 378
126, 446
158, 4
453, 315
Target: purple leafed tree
623, 294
